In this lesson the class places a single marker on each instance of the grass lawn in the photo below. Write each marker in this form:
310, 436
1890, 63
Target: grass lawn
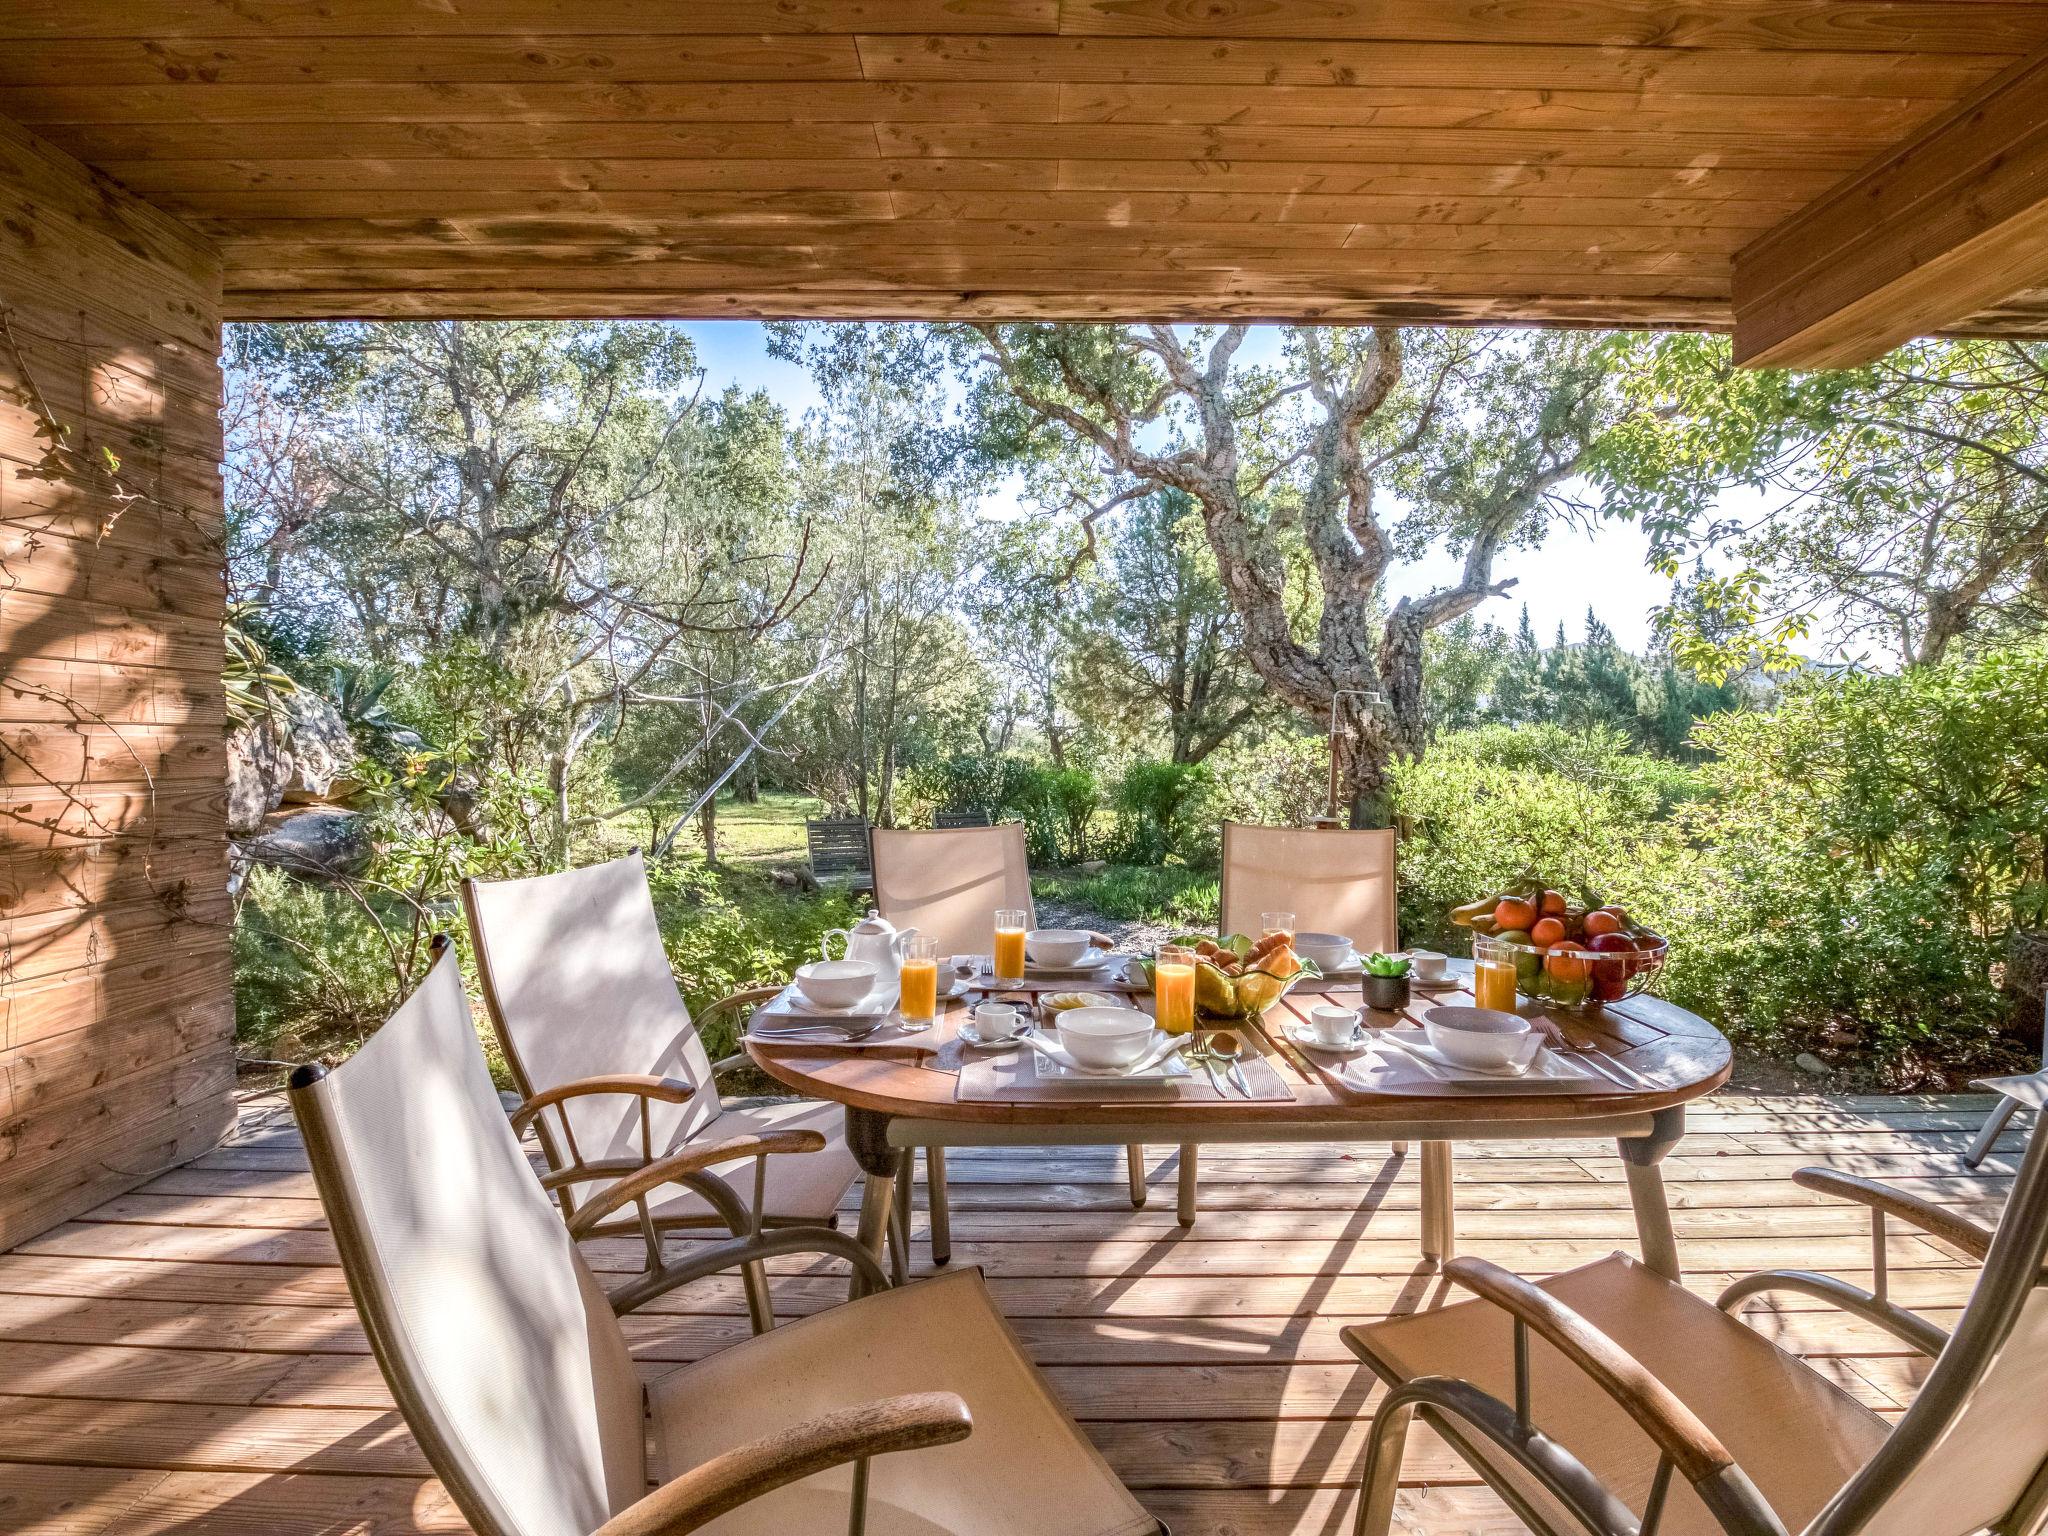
768, 832
1182, 898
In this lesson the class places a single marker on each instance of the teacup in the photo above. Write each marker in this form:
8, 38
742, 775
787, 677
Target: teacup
1332, 1025
1426, 964
995, 1021
836, 983
1057, 947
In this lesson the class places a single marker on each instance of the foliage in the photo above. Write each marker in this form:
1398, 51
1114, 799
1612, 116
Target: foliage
1056, 805
1871, 839
1902, 505
1487, 804
1167, 810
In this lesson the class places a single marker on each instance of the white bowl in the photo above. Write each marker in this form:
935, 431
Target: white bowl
836, 983
1330, 951
1480, 1037
1104, 1037
1058, 946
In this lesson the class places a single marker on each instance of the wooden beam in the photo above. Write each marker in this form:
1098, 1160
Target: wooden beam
1951, 222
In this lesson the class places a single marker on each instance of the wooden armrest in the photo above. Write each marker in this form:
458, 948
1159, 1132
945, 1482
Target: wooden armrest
669, 1090
912, 1422
1935, 1220
740, 999
1694, 1451
691, 1159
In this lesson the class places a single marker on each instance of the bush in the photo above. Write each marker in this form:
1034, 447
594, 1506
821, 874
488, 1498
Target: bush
1280, 781
1868, 842
1055, 804
1167, 810
1489, 804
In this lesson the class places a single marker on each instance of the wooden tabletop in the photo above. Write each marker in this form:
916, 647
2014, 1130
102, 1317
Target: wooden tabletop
1679, 1053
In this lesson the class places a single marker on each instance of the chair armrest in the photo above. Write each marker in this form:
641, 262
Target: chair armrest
669, 1090
734, 1000
912, 1422
691, 1159
1935, 1220
1677, 1431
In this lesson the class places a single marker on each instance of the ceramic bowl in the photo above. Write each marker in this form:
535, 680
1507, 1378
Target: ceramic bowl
1057, 946
836, 983
1480, 1037
1330, 951
1104, 1037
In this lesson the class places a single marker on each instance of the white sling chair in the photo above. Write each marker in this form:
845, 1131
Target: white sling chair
948, 885
907, 1413
1612, 1401
586, 1009
1334, 881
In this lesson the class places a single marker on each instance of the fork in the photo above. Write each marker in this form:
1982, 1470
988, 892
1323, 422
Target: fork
821, 1032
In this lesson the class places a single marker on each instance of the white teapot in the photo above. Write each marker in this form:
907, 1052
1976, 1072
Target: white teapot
874, 939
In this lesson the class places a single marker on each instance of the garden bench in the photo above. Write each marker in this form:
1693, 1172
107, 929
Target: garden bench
839, 849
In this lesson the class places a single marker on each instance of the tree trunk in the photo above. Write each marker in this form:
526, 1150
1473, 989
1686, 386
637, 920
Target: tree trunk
707, 823
746, 784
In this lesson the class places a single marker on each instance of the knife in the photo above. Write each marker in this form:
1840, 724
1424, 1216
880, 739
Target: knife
1237, 1077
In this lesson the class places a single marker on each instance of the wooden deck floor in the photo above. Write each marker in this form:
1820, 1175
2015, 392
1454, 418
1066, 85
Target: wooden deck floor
185, 1358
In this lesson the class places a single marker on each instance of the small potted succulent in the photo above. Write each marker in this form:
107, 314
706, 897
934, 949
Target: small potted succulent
1386, 981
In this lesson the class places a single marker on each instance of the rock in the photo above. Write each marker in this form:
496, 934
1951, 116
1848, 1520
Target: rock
293, 754
1806, 1061
320, 843
1092, 866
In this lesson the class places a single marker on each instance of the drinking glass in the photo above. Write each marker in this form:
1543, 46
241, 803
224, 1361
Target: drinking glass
1007, 963
1493, 974
1173, 988
918, 994
1275, 922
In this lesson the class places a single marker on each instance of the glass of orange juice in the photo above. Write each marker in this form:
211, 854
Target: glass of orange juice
1493, 974
1007, 963
1173, 988
918, 995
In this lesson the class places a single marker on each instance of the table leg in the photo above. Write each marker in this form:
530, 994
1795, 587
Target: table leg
867, 1137
1189, 1162
876, 1201
899, 1216
940, 1203
1640, 1157
1134, 1163
1439, 1212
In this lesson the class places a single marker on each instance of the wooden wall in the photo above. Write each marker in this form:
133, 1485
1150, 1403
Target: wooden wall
116, 1004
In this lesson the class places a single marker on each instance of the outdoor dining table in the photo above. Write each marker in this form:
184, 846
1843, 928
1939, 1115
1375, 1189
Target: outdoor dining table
902, 1097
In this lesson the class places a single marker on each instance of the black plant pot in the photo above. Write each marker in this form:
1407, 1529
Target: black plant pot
1388, 993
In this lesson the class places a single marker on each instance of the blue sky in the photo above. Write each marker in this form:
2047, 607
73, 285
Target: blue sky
1606, 568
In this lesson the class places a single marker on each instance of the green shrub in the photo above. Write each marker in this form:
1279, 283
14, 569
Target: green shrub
1167, 810
1488, 804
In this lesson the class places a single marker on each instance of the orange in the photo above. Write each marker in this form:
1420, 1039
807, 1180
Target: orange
1554, 904
1603, 920
1514, 912
1547, 932
1565, 961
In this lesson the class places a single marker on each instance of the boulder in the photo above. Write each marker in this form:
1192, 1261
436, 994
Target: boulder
317, 843
295, 753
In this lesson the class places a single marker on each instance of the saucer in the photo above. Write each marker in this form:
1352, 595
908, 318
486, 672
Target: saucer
970, 1037
1448, 979
1303, 1036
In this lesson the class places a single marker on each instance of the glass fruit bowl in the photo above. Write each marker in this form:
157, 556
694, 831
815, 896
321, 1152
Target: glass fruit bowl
1222, 997
1573, 976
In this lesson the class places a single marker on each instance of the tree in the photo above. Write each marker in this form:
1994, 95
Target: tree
1478, 434
1153, 637
508, 509
1904, 504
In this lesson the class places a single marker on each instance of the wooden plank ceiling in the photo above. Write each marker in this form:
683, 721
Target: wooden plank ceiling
1588, 161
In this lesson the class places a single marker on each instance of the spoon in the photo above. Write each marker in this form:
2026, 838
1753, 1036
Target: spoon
1226, 1047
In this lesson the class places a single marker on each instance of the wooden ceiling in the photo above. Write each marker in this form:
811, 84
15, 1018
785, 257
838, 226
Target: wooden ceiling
1581, 161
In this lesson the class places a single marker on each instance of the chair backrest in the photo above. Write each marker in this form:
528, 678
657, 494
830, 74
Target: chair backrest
1972, 1451
577, 985
1332, 880
949, 884
944, 819
495, 1341
837, 847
